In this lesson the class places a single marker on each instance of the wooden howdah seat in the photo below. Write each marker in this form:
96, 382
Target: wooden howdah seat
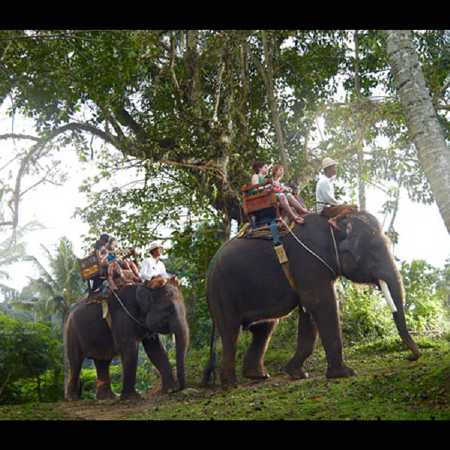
89, 269
260, 204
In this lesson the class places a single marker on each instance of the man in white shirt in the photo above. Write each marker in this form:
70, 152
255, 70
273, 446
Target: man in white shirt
325, 186
326, 204
153, 266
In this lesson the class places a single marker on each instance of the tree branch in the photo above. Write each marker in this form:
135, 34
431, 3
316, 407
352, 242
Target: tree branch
19, 136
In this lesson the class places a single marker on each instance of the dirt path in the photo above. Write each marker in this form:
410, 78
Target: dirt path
105, 410
122, 410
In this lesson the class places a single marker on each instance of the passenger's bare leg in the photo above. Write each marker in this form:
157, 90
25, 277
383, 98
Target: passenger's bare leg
296, 204
288, 209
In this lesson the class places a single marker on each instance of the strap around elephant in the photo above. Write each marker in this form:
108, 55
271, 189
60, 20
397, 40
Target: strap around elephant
312, 253
128, 312
338, 260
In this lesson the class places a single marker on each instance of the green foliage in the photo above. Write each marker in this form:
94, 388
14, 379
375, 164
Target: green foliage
364, 314
193, 248
27, 351
426, 303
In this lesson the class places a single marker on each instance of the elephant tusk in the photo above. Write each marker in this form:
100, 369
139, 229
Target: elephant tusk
387, 295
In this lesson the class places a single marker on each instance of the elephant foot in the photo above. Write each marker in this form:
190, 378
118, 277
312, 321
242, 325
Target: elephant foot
168, 388
103, 391
72, 397
413, 357
228, 381
297, 373
131, 396
105, 395
340, 372
256, 374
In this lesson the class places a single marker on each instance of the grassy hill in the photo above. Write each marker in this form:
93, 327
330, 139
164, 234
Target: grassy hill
387, 387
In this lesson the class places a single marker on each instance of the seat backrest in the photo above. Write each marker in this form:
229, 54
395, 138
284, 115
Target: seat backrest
89, 267
257, 197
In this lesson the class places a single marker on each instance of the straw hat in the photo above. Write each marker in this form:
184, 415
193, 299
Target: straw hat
153, 245
328, 162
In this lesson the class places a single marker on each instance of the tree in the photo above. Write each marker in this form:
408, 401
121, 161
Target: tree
423, 124
191, 104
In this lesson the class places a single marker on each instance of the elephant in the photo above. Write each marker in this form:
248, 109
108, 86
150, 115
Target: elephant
246, 287
155, 311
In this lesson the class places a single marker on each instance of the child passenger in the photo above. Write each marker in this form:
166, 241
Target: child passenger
284, 193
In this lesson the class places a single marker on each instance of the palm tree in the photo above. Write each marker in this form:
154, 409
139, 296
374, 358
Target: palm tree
12, 250
421, 118
52, 295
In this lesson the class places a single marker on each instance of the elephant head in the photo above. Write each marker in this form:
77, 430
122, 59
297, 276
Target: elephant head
366, 258
165, 313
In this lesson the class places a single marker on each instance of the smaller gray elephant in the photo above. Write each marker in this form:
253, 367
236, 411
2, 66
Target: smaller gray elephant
159, 311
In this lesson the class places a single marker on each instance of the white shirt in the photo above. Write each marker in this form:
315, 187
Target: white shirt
151, 267
325, 192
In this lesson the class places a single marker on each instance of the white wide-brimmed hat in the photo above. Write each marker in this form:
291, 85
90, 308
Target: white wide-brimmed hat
155, 244
328, 162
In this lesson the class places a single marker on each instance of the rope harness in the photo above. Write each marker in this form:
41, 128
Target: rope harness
128, 312
106, 315
315, 254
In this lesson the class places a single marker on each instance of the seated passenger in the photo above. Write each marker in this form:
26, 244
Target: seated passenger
117, 269
261, 170
129, 263
327, 205
285, 197
152, 268
101, 252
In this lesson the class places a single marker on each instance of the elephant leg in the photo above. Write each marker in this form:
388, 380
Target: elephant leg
73, 388
129, 357
306, 340
326, 316
254, 359
158, 356
229, 333
103, 383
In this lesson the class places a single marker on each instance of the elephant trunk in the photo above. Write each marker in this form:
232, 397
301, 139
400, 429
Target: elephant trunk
393, 291
181, 344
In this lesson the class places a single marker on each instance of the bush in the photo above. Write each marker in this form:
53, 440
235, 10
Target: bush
27, 352
364, 314
426, 305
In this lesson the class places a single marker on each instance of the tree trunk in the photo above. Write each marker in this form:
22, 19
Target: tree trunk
38, 388
360, 132
66, 359
421, 119
268, 77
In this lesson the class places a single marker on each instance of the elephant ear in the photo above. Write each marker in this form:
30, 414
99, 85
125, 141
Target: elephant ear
143, 298
351, 243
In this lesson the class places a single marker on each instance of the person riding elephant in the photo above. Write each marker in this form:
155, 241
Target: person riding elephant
101, 252
138, 314
247, 287
326, 203
119, 271
284, 194
152, 268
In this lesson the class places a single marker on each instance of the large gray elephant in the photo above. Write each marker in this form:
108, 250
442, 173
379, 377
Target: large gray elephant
157, 311
247, 288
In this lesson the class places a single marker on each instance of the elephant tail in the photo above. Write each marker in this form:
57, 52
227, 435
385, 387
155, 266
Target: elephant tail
210, 369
